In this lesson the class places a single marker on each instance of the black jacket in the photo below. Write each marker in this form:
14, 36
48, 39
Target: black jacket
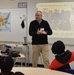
64, 58
39, 39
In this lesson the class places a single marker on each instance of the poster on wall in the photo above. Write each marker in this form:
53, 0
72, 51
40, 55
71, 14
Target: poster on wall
5, 21
60, 16
10, 24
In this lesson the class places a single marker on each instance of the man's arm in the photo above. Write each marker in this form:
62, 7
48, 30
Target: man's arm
31, 30
49, 31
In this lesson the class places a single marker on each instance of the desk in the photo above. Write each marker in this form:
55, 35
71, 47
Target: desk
37, 71
21, 47
21, 57
24, 49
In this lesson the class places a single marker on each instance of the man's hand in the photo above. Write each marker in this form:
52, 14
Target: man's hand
41, 32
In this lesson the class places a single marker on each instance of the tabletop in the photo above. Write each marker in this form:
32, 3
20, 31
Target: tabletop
38, 71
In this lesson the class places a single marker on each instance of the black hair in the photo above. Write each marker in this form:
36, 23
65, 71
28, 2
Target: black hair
19, 73
58, 47
6, 63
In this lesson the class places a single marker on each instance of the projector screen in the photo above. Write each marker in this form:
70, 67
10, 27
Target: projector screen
60, 16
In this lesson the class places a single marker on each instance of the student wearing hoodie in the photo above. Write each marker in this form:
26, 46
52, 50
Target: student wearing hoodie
62, 58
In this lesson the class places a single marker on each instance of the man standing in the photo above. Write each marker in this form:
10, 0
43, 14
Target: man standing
39, 29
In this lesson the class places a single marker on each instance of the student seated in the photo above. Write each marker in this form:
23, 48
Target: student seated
62, 58
6, 65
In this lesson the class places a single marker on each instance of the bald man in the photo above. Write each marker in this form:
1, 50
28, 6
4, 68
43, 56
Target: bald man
39, 29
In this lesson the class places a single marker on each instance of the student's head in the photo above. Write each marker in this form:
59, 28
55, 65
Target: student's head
38, 15
58, 47
6, 63
19, 73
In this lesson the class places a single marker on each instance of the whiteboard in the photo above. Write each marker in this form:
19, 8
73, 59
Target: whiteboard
16, 32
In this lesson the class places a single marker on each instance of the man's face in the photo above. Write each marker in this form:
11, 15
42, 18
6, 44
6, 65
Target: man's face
38, 16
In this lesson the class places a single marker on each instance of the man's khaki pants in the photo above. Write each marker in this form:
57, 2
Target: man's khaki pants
37, 49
